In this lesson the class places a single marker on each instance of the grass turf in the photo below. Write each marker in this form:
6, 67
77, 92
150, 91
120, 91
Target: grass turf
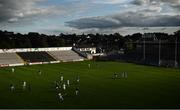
145, 87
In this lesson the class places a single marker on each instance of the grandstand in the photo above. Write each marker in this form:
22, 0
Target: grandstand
66, 55
36, 56
30, 56
7, 59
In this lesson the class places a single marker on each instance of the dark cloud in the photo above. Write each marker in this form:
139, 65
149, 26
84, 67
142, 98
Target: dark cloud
175, 4
172, 3
140, 2
130, 19
13, 10
96, 22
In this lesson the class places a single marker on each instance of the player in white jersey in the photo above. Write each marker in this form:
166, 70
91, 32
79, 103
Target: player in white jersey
68, 83
40, 72
56, 85
77, 79
64, 86
62, 78
125, 74
12, 70
24, 85
60, 97
115, 76
12, 88
77, 91
89, 65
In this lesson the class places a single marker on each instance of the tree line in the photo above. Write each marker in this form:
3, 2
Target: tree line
108, 42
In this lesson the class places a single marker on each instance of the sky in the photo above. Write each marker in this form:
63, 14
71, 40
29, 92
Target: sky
90, 16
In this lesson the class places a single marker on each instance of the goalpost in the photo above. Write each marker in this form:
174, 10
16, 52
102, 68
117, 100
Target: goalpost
175, 57
159, 52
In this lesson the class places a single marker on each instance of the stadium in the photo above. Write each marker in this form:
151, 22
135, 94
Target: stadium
81, 77
89, 54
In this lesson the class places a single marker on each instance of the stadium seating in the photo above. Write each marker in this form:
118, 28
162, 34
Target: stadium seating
9, 58
36, 56
68, 55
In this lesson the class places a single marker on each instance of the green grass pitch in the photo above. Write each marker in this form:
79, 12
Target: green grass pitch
145, 87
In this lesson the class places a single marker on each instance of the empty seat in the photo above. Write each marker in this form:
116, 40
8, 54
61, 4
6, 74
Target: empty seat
10, 58
67, 55
36, 56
